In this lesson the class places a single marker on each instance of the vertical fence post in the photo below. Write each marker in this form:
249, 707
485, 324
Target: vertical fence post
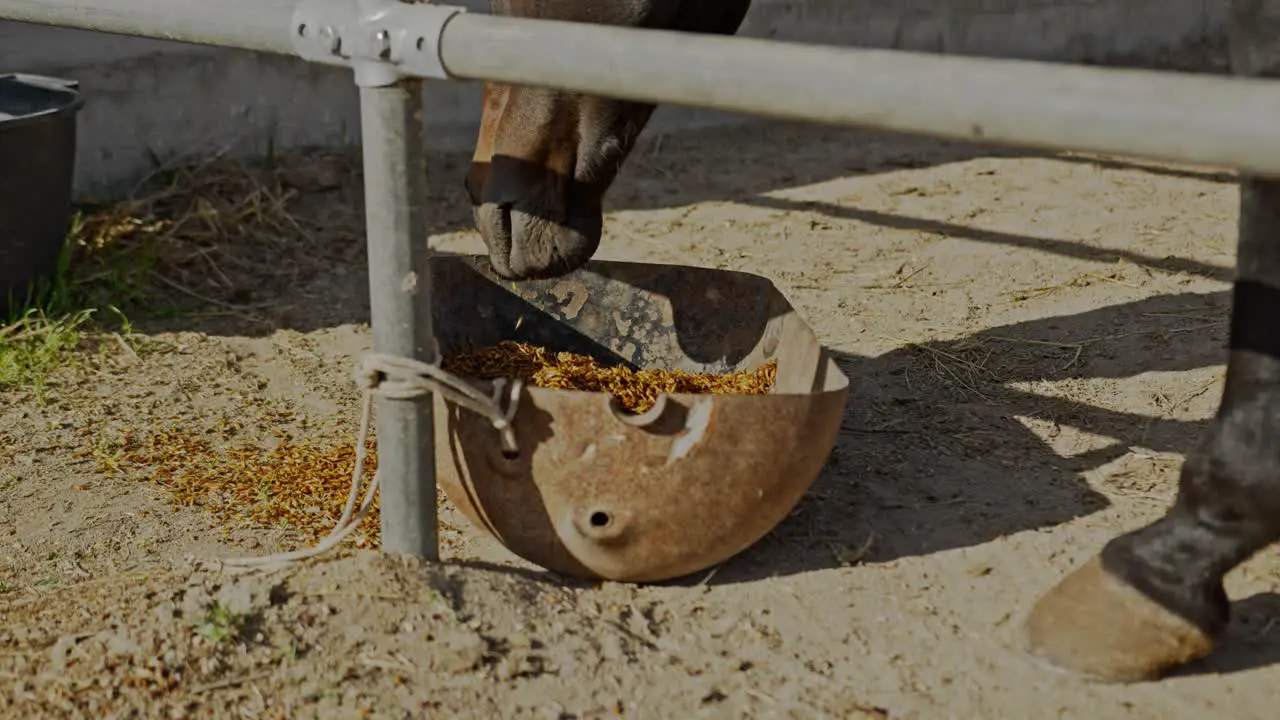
400, 307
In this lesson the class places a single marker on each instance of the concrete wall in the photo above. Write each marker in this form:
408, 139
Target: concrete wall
149, 101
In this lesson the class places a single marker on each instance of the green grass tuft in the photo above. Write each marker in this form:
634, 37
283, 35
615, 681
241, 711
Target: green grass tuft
83, 296
221, 624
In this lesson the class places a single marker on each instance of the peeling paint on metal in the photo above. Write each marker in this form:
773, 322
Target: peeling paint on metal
695, 429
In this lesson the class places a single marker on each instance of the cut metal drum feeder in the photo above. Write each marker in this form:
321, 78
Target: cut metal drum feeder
595, 491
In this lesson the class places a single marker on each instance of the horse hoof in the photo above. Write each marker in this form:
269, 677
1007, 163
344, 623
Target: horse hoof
1095, 625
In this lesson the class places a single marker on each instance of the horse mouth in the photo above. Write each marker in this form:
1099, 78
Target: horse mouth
525, 246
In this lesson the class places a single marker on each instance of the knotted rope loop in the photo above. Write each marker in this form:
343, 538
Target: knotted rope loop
398, 378
401, 378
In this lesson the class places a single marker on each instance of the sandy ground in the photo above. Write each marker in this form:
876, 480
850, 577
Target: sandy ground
1033, 341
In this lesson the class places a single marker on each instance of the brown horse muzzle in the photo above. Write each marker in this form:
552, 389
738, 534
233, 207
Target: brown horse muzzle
535, 222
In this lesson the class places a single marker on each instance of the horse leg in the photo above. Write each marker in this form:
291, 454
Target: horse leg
1153, 599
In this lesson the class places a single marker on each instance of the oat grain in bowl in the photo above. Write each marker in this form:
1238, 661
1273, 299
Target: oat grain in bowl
636, 390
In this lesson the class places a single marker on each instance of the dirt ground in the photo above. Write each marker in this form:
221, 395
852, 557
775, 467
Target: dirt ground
1033, 341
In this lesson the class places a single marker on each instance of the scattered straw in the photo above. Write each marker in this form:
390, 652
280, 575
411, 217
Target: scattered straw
219, 236
304, 487
295, 485
636, 390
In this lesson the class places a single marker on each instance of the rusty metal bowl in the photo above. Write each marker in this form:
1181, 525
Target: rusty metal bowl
597, 492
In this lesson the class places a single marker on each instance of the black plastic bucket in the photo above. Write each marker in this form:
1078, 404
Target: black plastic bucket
37, 168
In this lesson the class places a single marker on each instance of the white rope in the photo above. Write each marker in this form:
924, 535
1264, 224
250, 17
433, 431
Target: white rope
396, 378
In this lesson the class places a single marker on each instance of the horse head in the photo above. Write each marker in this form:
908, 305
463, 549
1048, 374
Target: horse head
545, 159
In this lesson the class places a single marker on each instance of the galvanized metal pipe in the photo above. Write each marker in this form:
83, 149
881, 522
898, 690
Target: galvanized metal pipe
400, 309
1160, 116
1208, 120
262, 25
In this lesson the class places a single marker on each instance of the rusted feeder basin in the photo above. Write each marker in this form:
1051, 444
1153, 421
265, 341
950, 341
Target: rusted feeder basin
597, 492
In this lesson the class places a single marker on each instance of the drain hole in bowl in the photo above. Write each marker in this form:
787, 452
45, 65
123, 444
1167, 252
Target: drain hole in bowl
600, 519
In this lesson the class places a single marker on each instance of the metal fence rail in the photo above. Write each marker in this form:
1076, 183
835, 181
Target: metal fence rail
247, 24
1148, 114
1160, 116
